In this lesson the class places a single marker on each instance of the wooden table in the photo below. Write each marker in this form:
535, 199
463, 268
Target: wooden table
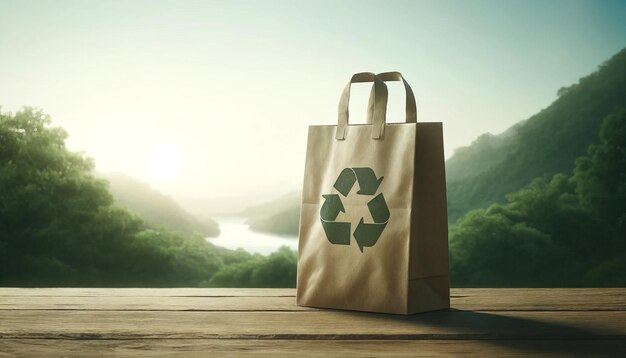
234, 322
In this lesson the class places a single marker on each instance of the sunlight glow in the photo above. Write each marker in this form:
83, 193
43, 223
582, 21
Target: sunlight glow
165, 162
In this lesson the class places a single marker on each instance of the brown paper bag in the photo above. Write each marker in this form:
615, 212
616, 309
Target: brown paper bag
373, 226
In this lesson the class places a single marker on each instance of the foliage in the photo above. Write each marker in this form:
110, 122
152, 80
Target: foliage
286, 223
59, 225
280, 216
276, 270
540, 147
601, 176
565, 232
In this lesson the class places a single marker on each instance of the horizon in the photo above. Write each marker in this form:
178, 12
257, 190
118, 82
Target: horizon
231, 94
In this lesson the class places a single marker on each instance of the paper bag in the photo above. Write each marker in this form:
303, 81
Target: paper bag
373, 227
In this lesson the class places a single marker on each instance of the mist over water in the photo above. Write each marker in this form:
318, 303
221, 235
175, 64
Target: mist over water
235, 234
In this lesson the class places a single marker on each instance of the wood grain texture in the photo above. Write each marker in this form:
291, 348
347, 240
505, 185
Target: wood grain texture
299, 348
311, 325
147, 292
612, 299
266, 322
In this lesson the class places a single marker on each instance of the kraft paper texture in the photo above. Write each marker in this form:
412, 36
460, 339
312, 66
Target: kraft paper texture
373, 226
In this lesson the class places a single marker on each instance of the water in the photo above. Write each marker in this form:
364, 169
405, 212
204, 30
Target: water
234, 234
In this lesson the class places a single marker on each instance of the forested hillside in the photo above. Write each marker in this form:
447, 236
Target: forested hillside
155, 208
556, 232
59, 226
283, 223
545, 144
280, 216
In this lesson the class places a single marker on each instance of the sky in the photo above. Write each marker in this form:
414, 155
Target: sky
206, 99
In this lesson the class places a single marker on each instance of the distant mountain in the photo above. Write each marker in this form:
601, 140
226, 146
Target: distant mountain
156, 208
271, 207
284, 223
216, 205
494, 165
280, 216
545, 144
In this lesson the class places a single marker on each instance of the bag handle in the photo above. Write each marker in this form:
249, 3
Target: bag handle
376, 108
411, 106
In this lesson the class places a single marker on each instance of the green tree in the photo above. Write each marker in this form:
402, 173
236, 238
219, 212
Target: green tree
568, 231
601, 184
59, 226
542, 146
601, 175
488, 249
276, 270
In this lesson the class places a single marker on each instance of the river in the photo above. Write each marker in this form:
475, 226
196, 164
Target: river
234, 234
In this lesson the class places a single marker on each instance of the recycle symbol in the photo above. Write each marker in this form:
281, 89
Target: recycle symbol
365, 234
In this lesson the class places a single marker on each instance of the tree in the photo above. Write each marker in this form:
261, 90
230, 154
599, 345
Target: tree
59, 226
277, 270
488, 249
601, 184
568, 231
601, 175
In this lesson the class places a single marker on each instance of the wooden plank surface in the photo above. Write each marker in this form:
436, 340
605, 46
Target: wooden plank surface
498, 322
299, 348
506, 299
311, 325
146, 292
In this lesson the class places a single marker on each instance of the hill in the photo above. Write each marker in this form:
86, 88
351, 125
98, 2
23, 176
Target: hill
565, 231
545, 144
155, 208
284, 223
280, 216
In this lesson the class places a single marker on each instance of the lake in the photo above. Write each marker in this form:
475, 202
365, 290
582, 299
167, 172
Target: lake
234, 234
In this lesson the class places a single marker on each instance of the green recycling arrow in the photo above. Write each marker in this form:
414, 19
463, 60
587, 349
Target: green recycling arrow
368, 184
345, 181
365, 234
332, 207
378, 209
338, 233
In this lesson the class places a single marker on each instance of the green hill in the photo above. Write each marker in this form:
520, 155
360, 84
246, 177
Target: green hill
545, 144
284, 223
268, 208
280, 216
155, 208
565, 231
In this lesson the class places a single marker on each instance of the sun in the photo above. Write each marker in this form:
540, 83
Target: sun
165, 162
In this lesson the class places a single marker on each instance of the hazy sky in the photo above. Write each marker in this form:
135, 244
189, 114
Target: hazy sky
223, 91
